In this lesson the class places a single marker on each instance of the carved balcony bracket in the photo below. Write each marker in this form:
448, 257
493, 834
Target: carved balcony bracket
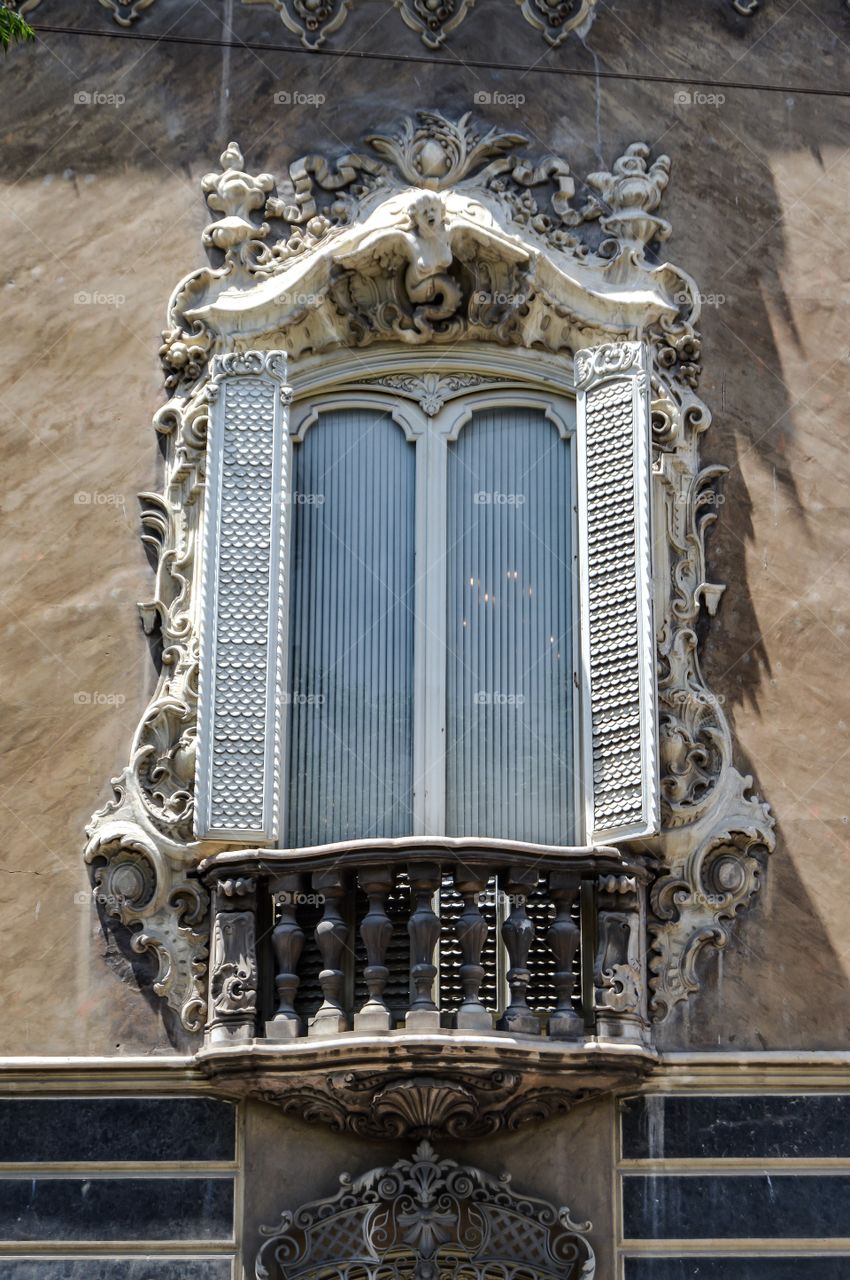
459, 1086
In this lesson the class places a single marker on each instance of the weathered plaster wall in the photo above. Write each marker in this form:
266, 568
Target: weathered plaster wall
104, 200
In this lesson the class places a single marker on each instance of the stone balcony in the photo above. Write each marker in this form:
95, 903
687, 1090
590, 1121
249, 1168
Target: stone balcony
424, 984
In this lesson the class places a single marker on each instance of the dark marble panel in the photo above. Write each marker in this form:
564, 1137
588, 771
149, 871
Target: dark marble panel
734, 1269
39, 1129
116, 1208
770, 1205
716, 1128
147, 1268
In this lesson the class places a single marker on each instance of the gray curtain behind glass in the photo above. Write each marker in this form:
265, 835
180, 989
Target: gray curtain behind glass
510, 567
351, 754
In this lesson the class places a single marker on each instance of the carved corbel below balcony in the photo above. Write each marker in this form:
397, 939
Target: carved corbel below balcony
462, 1085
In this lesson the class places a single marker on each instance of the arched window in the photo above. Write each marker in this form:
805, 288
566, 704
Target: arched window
475, 592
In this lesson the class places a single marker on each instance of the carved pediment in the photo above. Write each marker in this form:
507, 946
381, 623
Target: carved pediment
448, 237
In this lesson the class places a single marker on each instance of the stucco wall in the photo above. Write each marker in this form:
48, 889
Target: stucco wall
104, 201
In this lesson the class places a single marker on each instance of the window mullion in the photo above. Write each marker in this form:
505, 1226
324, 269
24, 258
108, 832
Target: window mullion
429, 714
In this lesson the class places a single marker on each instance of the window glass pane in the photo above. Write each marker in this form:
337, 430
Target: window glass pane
352, 630
509, 763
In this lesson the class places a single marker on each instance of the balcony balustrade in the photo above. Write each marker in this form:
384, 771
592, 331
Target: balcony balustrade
482, 960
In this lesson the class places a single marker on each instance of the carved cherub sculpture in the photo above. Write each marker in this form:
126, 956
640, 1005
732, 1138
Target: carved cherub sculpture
424, 251
436, 295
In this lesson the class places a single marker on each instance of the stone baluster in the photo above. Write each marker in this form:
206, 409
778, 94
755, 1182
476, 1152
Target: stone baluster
518, 935
376, 930
423, 926
233, 961
471, 930
287, 944
332, 937
618, 971
563, 937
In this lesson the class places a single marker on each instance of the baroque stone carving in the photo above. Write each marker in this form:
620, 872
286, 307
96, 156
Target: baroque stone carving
424, 1218
632, 192
440, 232
711, 823
314, 20
311, 20
557, 18
236, 195
380, 1105
124, 12
432, 390
433, 20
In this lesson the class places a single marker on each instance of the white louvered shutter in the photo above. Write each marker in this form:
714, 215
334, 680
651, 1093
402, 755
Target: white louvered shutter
244, 606
618, 642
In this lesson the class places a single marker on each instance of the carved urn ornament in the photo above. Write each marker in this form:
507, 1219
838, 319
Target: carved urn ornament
440, 264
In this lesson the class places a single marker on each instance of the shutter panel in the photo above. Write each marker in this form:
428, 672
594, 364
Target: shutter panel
243, 646
618, 642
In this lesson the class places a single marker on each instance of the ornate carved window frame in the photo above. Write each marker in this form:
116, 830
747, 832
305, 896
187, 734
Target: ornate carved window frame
546, 275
